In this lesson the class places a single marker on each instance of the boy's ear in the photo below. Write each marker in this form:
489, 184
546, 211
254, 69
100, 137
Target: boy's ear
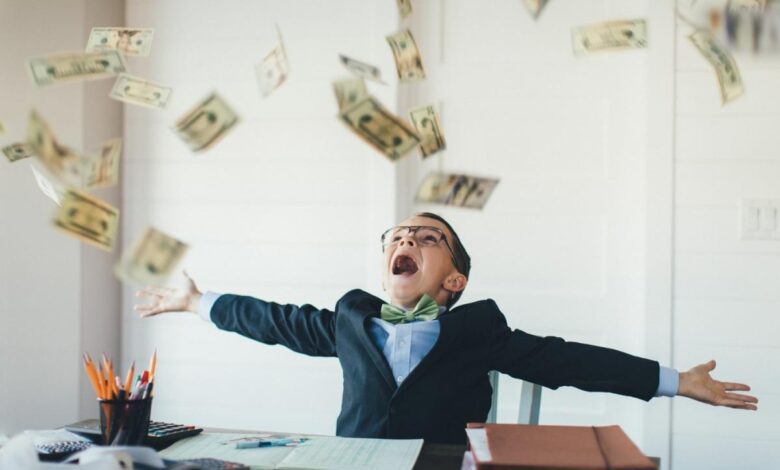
455, 282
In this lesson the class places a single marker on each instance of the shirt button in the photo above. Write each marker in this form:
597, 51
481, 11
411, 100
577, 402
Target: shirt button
400, 378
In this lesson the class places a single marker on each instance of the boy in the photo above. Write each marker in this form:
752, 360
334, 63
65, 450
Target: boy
418, 368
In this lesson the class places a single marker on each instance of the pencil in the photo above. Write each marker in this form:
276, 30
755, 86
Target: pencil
152, 365
129, 378
92, 376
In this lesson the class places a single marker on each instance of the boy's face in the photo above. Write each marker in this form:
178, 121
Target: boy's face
414, 266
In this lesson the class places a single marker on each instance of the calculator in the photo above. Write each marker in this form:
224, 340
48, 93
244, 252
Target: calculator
159, 436
58, 450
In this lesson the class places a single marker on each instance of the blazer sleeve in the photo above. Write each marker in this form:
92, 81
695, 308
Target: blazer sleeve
553, 362
304, 329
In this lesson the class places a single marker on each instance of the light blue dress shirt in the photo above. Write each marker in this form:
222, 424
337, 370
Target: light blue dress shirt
404, 345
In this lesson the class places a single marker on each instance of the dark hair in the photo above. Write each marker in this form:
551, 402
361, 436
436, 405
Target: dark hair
462, 258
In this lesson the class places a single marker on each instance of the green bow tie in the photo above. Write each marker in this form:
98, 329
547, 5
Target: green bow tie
426, 309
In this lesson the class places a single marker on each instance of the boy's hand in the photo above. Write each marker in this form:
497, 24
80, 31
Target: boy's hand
163, 299
697, 384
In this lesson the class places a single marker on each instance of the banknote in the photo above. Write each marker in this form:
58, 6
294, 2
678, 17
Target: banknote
151, 259
64, 163
206, 123
426, 122
726, 69
408, 61
349, 91
17, 151
135, 90
87, 218
102, 169
404, 8
611, 35
456, 190
2, 128
49, 189
361, 69
67, 67
535, 6
379, 127
274, 68
128, 41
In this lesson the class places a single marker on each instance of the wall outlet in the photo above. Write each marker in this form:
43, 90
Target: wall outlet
760, 219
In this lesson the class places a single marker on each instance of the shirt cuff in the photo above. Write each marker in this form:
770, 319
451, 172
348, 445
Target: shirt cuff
205, 303
668, 382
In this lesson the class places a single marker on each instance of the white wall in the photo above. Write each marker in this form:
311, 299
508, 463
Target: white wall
57, 297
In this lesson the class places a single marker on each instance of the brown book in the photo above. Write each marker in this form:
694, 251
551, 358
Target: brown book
526, 447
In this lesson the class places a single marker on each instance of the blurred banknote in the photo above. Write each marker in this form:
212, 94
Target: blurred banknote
379, 127
408, 61
404, 8
151, 259
362, 69
349, 91
426, 122
456, 190
46, 184
16, 152
138, 91
64, 163
2, 128
535, 6
102, 169
61, 68
274, 68
612, 35
87, 218
128, 41
726, 69
206, 123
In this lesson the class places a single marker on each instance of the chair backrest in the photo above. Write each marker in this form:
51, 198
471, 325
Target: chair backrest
530, 401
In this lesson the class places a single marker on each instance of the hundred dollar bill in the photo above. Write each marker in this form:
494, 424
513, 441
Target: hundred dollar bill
379, 127
61, 68
138, 91
362, 69
408, 61
274, 69
151, 259
64, 163
349, 91
404, 8
87, 218
128, 41
206, 123
18, 151
623, 34
456, 190
102, 169
729, 78
426, 122
535, 6
48, 188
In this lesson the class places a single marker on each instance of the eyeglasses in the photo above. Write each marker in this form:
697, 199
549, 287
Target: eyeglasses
423, 235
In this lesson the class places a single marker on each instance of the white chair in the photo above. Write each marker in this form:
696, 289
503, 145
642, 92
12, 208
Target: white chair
530, 401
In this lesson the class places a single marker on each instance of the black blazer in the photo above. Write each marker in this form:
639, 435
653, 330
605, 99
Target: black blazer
450, 386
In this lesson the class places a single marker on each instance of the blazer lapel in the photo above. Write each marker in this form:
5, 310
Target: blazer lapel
366, 309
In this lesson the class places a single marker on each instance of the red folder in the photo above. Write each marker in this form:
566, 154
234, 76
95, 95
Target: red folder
526, 447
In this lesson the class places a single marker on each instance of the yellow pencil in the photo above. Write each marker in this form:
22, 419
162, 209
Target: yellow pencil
152, 365
92, 377
129, 378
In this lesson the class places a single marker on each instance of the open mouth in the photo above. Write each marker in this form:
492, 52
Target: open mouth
404, 265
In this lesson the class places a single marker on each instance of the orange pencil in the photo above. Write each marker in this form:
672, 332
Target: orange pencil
111, 377
152, 365
129, 378
98, 377
103, 383
92, 376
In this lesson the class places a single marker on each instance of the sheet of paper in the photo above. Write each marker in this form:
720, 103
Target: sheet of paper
223, 446
344, 453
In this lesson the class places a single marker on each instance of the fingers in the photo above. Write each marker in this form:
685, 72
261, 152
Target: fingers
154, 291
740, 396
739, 405
736, 386
709, 366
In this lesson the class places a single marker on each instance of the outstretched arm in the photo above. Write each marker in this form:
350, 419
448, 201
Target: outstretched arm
699, 385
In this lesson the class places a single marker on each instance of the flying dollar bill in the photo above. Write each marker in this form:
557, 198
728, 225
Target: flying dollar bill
87, 218
362, 69
612, 35
408, 61
46, 185
61, 68
17, 151
128, 41
426, 122
206, 123
138, 91
151, 259
456, 190
102, 169
729, 78
349, 91
535, 7
404, 8
274, 69
64, 163
379, 127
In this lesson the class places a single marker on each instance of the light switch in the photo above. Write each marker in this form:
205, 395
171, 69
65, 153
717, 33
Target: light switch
760, 219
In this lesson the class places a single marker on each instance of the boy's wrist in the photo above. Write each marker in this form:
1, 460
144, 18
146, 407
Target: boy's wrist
193, 303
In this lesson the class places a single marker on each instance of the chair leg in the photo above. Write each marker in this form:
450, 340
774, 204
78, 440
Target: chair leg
493, 413
530, 403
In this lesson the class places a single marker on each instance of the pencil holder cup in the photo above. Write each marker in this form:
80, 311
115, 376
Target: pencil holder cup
125, 422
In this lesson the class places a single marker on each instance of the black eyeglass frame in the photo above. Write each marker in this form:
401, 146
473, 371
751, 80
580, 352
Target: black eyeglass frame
411, 229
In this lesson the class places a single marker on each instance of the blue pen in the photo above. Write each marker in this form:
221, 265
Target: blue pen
263, 443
